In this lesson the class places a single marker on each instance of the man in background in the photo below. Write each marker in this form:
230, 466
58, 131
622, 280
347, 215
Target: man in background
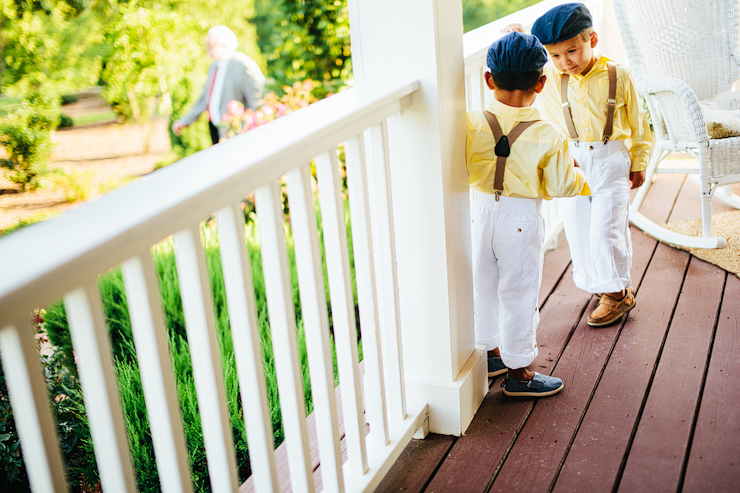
233, 76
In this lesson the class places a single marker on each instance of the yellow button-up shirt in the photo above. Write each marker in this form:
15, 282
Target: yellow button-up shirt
539, 166
587, 95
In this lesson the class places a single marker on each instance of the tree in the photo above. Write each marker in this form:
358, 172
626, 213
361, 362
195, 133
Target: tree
155, 45
51, 42
310, 39
477, 13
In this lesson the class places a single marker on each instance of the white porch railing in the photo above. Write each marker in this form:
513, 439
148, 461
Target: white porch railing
63, 257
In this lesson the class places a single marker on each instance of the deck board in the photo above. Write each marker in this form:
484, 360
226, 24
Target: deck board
714, 458
658, 450
474, 460
595, 458
657, 454
534, 461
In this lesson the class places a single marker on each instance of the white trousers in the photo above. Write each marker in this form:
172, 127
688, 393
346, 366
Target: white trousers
508, 238
597, 227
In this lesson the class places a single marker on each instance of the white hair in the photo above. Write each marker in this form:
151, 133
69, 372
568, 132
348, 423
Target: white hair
224, 36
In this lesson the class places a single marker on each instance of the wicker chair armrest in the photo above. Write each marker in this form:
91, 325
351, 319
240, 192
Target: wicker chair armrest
685, 96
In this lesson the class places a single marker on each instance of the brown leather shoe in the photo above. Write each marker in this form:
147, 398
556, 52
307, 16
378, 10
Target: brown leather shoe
610, 309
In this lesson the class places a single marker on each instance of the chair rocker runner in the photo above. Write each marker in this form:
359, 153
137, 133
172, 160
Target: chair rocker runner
680, 52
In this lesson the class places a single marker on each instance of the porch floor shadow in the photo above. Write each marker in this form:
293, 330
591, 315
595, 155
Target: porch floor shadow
650, 403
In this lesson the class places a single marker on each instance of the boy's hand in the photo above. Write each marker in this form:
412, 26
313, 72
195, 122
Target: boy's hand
637, 178
513, 27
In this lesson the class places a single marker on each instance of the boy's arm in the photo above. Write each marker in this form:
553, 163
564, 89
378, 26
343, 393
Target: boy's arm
640, 136
560, 176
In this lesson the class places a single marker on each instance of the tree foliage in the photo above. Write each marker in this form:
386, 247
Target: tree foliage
138, 50
305, 39
477, 13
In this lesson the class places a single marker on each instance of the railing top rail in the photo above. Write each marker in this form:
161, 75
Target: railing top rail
44, 261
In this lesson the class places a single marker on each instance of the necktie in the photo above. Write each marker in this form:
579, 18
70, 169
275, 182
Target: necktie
210, 90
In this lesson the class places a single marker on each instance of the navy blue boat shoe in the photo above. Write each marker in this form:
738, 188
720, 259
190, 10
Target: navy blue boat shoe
495, 366
539, 386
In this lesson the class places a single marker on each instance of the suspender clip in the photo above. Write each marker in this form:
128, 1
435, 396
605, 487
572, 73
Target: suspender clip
498, 194
566, 104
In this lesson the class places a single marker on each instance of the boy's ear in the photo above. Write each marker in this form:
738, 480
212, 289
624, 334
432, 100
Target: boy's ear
489, 81
540, 84
594, 39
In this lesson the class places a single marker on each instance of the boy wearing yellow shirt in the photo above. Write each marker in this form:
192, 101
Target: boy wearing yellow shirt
604, 118
533, 162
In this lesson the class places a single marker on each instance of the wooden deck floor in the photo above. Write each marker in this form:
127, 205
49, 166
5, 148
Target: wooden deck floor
650, 404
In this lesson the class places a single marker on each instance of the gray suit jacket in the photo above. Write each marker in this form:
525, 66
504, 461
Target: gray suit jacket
243, 82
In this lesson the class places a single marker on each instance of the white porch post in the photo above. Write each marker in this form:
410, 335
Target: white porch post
422, 39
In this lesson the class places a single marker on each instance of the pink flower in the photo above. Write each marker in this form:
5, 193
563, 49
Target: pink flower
235, 107
267, 110
281, 110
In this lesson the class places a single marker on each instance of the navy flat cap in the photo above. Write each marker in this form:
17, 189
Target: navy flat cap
516, 52
561, 23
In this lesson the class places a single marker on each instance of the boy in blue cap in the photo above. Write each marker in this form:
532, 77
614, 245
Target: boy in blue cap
596, 101
514, 160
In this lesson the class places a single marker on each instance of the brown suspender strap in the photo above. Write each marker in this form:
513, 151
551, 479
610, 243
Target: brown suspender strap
503, 147
566, 107
611, 103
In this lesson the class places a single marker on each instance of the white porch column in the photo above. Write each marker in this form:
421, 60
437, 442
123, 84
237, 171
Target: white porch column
422, 39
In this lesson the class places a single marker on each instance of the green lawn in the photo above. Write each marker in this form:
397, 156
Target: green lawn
104, 116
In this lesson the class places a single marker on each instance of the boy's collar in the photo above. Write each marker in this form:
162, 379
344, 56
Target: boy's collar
599, 65
502, 110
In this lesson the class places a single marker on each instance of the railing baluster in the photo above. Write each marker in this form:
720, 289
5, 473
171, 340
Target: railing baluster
316, 324
248, 354
30, 403
342, 307
200, 326
475, 90
283, 329
155, 368
379, 185
366, 290
100, 391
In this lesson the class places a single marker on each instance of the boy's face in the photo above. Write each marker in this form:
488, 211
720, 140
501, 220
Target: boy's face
575, 55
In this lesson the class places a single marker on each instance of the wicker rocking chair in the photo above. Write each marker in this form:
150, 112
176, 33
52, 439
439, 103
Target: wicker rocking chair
681, 52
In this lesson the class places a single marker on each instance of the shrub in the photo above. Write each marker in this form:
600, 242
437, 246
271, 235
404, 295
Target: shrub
196, 136
65, 121
76, 185
66, 99
26, 136
11, 462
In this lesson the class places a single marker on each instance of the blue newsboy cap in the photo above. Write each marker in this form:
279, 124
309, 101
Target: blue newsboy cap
561, 23
516, 52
